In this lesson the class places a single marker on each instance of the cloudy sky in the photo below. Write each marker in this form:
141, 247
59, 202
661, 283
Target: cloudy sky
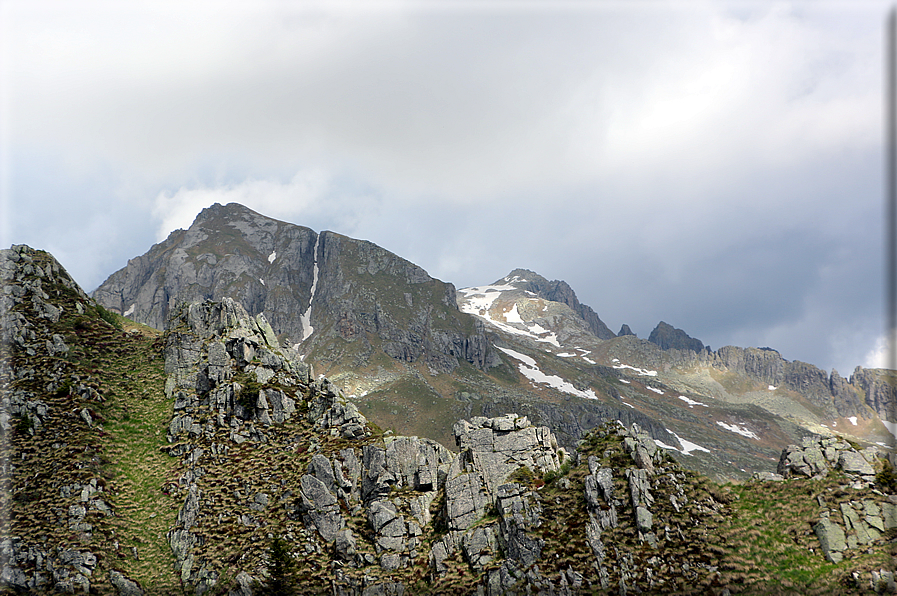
715, 165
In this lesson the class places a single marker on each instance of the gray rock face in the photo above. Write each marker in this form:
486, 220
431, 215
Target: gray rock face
272, 267
854, 463
123, 585
832, 539
879, 387
670, 338
231, 383
519, 512
495, 447
625, 330
865, 392
207, 342
818, 455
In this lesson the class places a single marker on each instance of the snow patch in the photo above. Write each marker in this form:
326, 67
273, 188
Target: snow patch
687, 446
853, 420
624, 381
654, 389
272, 256
891, 426
641, 371
512, 316
305, 318
772, 387
589, 360
630, 405
566, 355
692, 403
530, 370
130, 310
741, 430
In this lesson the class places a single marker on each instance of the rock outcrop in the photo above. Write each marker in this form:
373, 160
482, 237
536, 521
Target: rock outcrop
385, 505
625, 330
867, 392
670, 338
851, 523
817, 456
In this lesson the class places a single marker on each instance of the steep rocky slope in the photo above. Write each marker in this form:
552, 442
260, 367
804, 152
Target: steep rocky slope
122, 476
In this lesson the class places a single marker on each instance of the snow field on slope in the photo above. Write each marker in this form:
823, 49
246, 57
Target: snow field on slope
529, 369
687, 446
478, 301
891, 426
741, 430
692, 403
641, 371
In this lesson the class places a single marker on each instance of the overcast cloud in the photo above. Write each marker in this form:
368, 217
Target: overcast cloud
715, 165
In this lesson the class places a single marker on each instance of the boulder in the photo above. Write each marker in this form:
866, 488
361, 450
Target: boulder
832, 539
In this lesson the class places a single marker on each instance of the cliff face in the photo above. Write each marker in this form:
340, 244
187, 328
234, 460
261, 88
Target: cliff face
879, 387
265, 264
833, 394
366, 294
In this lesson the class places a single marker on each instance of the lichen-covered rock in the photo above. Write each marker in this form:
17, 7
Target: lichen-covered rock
854, 463
832, 539
817, 455
123, 585
519, 513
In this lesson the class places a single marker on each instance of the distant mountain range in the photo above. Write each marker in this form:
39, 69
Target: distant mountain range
415, 354
211, 459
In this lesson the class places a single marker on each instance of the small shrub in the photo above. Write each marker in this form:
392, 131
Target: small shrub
523, 475
25, 423
282, 581
109, 317
64, 389
887, 477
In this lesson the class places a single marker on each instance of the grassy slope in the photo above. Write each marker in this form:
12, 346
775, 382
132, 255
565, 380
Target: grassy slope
121, 363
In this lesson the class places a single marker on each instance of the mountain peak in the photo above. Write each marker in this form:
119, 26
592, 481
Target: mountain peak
668, 337
217, 210
518, 277
557, 291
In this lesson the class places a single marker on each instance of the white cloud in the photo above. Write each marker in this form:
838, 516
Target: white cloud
306, 195
691, 94
882, 354
673, 149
